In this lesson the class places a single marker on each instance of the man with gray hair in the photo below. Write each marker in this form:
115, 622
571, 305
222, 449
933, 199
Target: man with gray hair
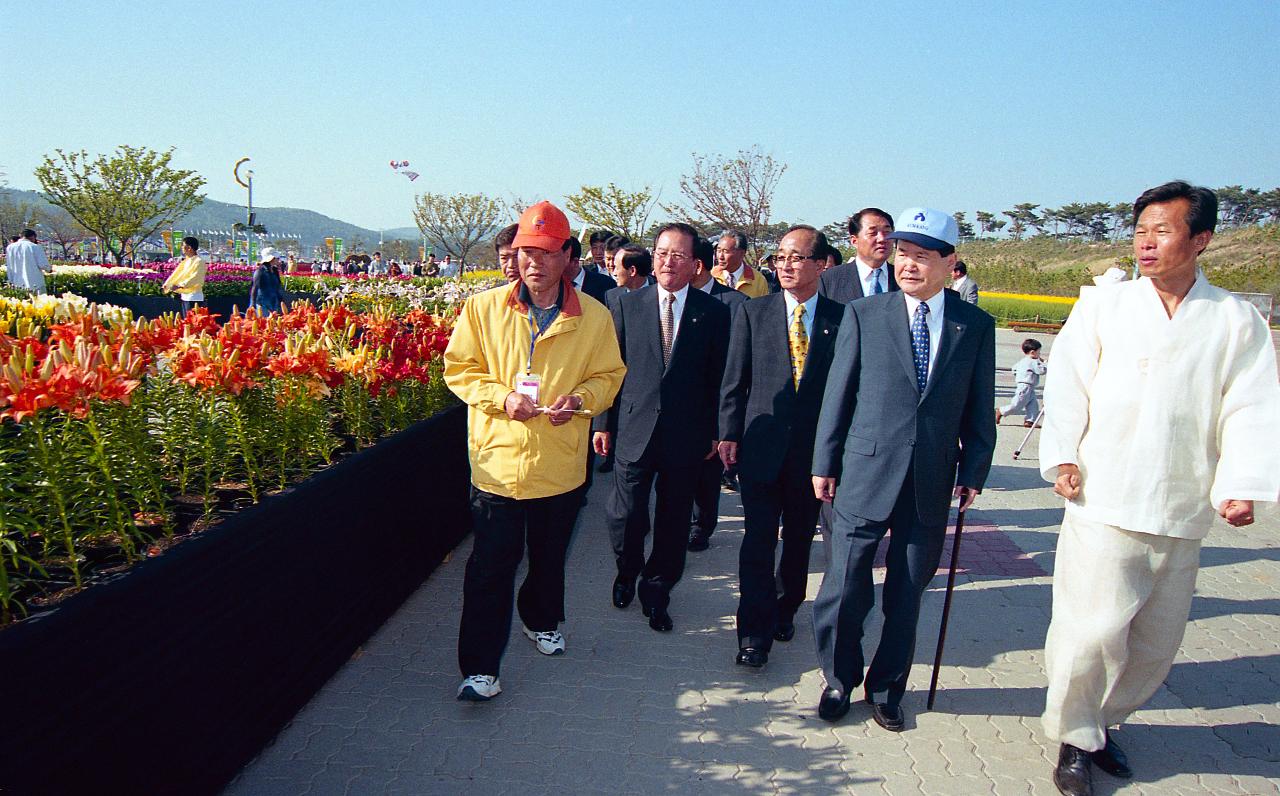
730, 269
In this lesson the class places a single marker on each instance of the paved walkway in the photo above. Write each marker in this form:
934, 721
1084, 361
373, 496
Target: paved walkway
627, 710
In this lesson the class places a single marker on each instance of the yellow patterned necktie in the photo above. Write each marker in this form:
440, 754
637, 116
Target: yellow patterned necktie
799, 345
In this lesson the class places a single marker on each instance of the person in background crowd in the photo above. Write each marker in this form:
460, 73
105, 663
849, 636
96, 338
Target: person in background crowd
431, 268
632, 269
780, 350
266, 291
594, 284
508, 256
449, 268
394, 269
612, 245
600, 261
291, 265
732, 271
376, 266
869, 231
26, 263
187, 280
532, 361
712, 475
894, 445
662, 426
833, 258
962, 284
1164, 412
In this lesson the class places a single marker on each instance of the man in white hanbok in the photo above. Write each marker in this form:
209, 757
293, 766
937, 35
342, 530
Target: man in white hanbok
25, 263
1165, 409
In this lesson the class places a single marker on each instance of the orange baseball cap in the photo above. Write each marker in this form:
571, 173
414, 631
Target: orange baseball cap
542, 226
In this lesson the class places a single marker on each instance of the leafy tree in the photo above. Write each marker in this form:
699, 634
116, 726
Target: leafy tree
123, 198
732, 192
609, 207
14, 217
1121, 219
965, 228
1021, 218
458, 223
986, 221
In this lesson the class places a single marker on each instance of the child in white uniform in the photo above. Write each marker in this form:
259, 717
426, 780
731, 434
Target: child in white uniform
1026, 376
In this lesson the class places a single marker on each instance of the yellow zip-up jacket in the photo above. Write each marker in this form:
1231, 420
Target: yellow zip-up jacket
577, 355
188, 277
752, 284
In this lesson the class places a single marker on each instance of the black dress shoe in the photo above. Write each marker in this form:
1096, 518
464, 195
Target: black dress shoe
624, 590
698, 541
659, 620
1072, 776
752, 656
1112, 759
784, 631
729, 481
833, 704
888, 716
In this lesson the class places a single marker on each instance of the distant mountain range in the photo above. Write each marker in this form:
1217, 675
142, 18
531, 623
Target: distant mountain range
217, 217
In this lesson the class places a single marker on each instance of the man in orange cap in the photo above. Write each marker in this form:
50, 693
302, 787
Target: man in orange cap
533, 363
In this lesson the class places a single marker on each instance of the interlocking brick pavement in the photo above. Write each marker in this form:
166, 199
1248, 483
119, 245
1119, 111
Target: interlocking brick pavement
627, 710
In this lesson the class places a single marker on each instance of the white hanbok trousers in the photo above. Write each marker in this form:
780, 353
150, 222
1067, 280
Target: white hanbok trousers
1120, 605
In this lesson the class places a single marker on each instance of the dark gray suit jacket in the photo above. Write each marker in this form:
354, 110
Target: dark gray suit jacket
675, 407
730, 297
596, 285
841, 284
760, 407
875, 424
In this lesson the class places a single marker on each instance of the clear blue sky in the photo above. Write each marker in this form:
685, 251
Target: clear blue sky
959, 106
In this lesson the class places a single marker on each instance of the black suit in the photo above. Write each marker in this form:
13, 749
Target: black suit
706, 500
843, 283
774, 424
663, 423
596, 285
897, 455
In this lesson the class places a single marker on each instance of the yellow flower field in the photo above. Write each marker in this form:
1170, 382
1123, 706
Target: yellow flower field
1068, 300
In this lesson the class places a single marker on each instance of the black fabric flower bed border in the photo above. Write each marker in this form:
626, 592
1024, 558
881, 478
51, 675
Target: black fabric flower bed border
155, 306
171, 677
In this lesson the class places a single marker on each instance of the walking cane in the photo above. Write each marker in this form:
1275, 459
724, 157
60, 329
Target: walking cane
1034, 424
946, 608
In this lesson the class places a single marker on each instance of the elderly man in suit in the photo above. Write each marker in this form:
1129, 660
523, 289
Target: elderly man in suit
907, 422
663, 424
706, 500
962, 283
868, 274
780, 350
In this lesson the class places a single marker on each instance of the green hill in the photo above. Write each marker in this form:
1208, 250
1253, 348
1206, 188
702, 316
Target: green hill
1245, 260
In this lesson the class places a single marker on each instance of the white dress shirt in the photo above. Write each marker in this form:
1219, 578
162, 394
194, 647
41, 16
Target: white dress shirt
866, 273
809, 307
934, 321
735, 278
580, 278
677, 309
706, 286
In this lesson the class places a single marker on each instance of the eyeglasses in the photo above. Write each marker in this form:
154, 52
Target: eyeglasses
793, 259
675, 257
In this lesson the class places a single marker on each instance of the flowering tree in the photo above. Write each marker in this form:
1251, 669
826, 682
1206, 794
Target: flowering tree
123, 198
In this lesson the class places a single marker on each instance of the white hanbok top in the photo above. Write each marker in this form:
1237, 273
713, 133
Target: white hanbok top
1166, 417
26, 265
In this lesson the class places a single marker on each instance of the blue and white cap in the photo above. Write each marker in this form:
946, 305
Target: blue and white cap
924, 226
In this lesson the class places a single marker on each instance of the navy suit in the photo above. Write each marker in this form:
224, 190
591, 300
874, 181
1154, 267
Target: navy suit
774, 423
663, 423
706, 499
843, 283
596, 285
897, 455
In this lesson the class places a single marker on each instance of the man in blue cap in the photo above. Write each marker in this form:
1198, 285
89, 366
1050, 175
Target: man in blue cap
907, 423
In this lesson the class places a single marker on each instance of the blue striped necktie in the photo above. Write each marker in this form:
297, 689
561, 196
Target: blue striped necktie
920, 344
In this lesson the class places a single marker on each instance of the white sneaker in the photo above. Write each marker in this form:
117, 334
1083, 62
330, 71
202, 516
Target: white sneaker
479, 688
548, 642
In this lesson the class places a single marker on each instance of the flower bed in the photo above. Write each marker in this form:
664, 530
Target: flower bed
1009, 307
118, 437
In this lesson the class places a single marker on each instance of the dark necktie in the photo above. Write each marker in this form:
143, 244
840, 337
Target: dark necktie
875, 282
668, 328
920, 344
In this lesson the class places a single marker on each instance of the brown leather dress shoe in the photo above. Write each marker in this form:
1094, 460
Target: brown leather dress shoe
1073, 775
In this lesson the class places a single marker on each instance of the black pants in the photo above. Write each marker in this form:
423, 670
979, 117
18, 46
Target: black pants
628, 513
769, 597
501, 526
706, 500
847, 596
